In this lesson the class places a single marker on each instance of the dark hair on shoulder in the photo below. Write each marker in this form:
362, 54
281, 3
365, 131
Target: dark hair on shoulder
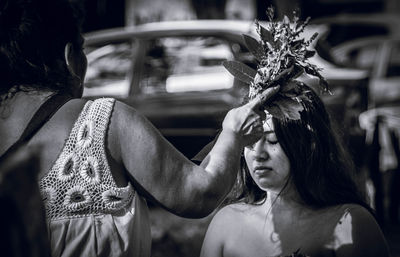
33, 35
321, 170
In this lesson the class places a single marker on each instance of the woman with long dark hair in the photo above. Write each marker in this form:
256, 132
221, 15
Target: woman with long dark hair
296, 195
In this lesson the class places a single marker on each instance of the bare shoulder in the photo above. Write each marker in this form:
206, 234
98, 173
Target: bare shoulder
127, 125
233, 211
125, 113
228, 216
358, 234
222, 229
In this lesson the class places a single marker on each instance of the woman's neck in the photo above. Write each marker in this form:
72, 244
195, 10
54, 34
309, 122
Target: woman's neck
287, 199
23, 103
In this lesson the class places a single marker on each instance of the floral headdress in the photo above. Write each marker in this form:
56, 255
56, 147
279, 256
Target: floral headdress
282, 57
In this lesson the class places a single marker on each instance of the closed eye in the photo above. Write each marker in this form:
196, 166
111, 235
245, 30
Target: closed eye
272, 142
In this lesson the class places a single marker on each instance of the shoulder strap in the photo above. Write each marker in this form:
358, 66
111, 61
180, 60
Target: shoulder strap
41, 116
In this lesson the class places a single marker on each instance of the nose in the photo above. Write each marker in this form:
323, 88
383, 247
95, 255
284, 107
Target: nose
260, 151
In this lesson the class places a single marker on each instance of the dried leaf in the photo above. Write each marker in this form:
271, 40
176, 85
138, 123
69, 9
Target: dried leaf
309, 54
254, 47
265, 35
240, 71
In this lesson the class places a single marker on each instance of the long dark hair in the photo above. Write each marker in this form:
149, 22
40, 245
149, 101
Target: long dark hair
33, 35
321, 170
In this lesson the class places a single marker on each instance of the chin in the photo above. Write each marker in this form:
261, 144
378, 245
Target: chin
264, 186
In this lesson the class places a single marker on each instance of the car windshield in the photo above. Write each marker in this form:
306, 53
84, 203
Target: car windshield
183, 64
108, 69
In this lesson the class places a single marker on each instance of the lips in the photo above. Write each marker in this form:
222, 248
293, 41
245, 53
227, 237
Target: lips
261, 169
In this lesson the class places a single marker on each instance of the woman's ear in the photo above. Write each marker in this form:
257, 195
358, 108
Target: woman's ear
76, 63
67, 54
76, 60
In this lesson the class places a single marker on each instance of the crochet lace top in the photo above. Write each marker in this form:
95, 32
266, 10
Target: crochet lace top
79, 188
80, 181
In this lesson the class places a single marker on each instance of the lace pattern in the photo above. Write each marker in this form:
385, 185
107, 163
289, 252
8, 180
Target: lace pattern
80, 182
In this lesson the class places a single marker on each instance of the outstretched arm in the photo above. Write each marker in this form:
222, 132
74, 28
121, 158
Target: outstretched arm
170, 178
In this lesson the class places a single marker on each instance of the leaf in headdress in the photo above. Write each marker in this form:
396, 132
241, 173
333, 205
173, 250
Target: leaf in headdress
309, 54
314, 72
282, 77
297, 43
324, 84
254, 47
297, 71
300, 26
240, 71
269, 45
265, 34
270, 13
287, 107
275, 111
286, 20
289, 87
314, 36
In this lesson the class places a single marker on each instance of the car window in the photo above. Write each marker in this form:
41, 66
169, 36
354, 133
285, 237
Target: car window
394, 61
184, 64
339, 33
108, 69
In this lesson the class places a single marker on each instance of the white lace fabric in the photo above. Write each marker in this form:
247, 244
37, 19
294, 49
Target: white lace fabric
80, 182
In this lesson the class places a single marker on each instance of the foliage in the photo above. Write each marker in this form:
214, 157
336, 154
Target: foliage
282, 57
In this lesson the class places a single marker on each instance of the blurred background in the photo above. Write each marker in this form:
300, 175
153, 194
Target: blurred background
164, 58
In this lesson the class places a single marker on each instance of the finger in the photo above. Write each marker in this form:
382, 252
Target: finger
268, 94
262, 98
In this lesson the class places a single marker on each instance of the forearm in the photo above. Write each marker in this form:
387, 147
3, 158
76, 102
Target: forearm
222, 165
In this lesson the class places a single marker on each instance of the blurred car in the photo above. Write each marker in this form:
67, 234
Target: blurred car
172, 73
347, 27
380, 56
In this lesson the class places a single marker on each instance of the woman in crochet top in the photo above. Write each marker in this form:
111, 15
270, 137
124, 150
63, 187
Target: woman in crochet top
100, 160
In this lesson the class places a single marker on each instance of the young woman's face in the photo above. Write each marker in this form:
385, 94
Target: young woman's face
267, 162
